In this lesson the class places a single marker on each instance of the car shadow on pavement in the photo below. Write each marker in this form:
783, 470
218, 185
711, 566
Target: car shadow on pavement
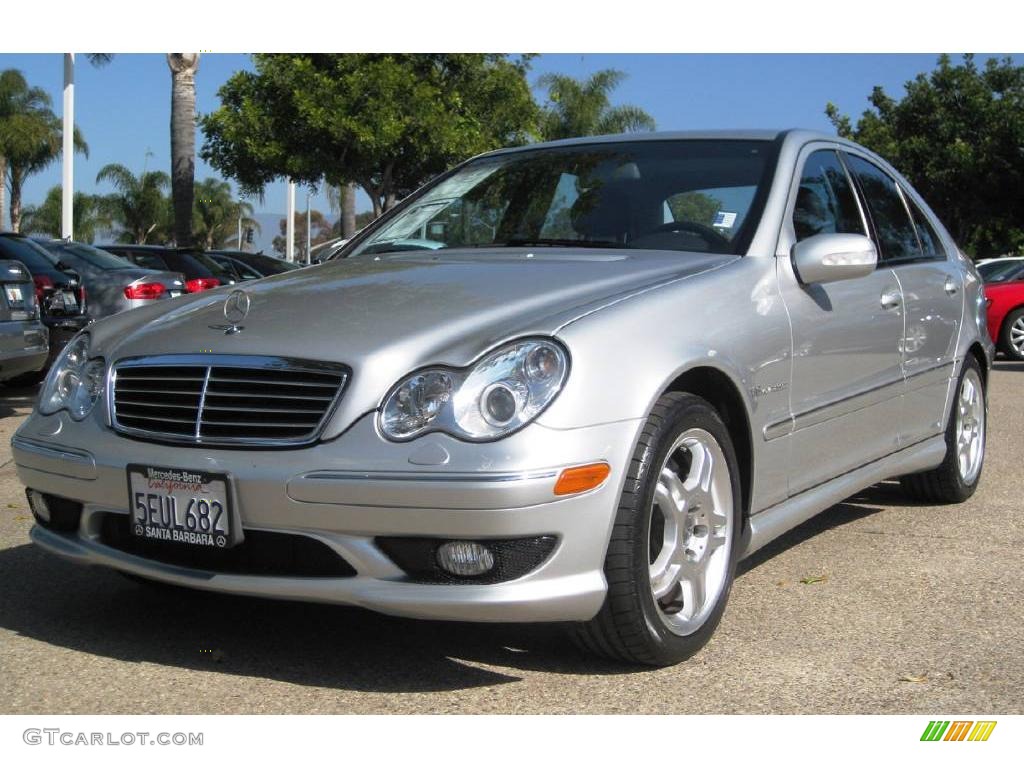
15, 399
96, 611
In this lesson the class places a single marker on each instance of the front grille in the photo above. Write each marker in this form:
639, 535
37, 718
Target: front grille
219, 399
260, 553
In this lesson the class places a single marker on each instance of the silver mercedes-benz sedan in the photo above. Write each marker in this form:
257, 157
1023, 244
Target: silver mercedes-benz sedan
571, 382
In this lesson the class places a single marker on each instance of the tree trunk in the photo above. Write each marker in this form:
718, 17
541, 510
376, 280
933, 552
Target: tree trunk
16, 180
183, 141
3, 189
348, 210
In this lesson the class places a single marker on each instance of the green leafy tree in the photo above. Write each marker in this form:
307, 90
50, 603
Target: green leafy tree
30, 135
140, 206
216, 212
583, 107
958, 136
91, 216
388, 122
320, 228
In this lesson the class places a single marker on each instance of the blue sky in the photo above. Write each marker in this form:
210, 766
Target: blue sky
123, 109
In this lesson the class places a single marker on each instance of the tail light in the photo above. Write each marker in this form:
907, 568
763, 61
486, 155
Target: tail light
201, 284
43, 284
144, 291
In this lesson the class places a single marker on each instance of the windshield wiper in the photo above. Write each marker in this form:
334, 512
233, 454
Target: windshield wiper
557, 242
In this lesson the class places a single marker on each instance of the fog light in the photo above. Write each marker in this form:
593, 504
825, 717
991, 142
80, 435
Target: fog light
37, 503
465, 558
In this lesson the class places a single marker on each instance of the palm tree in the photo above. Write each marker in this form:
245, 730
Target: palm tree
583, 108
30, 135
183, 141
216, 214
140, 206
46, 219
342, 199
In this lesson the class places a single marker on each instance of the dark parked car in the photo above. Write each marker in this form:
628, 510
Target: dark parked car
59, 291
113, 283
258, 263
201, 272
23, 339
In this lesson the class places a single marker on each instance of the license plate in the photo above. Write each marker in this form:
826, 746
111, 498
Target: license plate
14, 295
180, 505
174, 294
70, 300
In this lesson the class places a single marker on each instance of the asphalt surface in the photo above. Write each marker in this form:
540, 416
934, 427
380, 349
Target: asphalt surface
911, 609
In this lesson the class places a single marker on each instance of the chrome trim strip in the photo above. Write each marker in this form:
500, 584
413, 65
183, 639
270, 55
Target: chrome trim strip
209, 361
419, 477
847, 405
202, 402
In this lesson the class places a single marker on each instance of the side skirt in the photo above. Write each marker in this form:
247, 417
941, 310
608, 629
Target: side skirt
772, 522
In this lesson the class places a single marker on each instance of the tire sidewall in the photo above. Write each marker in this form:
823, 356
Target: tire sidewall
688, 413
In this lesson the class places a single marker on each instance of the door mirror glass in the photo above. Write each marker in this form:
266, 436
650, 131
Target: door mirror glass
830, 257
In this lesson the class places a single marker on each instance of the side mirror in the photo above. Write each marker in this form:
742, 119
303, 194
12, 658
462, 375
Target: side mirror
830, 257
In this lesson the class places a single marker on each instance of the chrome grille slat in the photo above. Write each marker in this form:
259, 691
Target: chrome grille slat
212, 399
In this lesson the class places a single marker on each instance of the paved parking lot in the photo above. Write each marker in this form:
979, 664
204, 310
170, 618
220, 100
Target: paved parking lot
919, 610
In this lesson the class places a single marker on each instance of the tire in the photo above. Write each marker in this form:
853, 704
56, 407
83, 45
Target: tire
1011, 335
956, 479
653, 535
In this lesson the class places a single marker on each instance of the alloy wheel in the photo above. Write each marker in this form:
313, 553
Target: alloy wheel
691, 531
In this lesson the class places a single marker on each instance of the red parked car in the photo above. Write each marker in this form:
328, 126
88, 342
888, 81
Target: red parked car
1006, 314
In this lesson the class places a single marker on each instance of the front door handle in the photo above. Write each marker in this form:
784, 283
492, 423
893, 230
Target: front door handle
890, 298
950, 286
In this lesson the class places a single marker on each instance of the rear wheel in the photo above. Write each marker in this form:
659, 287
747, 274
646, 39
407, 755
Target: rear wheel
1011, 336
957, 477
672, 554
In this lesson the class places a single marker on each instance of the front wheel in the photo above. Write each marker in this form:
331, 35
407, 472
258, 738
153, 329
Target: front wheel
957, 477
672, 555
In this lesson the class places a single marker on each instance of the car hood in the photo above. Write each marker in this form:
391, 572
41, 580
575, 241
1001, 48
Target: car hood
387, 316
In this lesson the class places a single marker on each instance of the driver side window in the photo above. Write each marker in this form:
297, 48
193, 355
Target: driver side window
825, 200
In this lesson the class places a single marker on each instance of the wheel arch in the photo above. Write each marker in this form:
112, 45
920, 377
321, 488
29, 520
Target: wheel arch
719, 389
979, 354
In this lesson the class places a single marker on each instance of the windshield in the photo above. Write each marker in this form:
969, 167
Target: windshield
94, 257
1001, 271
685, 195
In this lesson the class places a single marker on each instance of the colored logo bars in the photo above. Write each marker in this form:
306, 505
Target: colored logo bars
958, 730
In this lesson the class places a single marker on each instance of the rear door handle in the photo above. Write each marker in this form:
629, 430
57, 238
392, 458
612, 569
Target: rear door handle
950, 286
891, 298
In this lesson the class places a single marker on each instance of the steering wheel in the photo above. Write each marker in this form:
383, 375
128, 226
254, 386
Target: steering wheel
712, 237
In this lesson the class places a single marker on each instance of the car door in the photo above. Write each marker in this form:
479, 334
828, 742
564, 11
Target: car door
932, 295
846, 373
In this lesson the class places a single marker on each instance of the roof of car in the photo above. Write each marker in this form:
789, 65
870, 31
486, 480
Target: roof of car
797, 134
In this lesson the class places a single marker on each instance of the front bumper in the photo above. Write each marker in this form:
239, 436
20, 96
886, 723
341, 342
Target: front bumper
347, 492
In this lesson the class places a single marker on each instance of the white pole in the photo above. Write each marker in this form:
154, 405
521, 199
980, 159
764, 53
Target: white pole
67, 195
289, 252
309, 253
240, 225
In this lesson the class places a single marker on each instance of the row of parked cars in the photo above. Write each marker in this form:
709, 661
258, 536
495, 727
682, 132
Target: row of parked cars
54, 288
1004, 296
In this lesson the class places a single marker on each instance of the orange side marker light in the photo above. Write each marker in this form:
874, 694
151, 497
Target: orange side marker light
580, 479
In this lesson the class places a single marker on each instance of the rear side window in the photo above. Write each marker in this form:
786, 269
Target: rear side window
825, 200
897, 237
146, 260
931, 246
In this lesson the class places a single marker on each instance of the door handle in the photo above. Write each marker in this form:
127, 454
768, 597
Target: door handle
950, 286
890, 298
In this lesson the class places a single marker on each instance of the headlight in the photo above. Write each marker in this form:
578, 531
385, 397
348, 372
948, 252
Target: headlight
75, 382
502, 392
